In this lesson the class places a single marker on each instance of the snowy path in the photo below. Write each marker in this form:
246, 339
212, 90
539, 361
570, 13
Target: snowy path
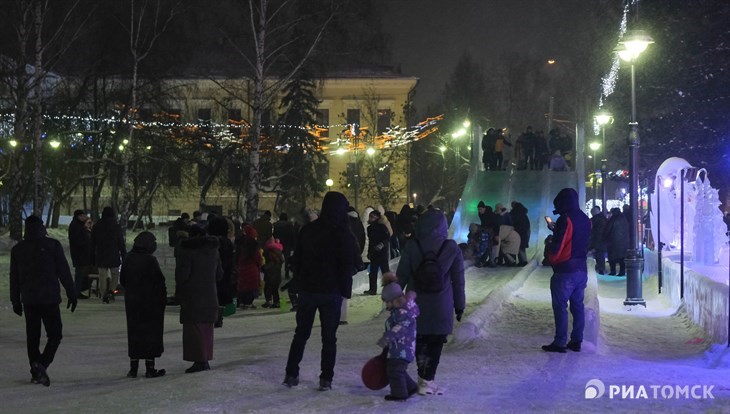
504, 372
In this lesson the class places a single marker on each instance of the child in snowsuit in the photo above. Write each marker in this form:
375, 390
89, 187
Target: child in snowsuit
399, 337
272, 272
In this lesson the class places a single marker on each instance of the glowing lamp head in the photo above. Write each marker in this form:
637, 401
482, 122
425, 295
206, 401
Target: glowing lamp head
54, 144
13, 143
668, 182
466, 123
329, 182
460, 133
595, 146
632, 44
442, 148
341, 151
603, 118
551, 61
370, 151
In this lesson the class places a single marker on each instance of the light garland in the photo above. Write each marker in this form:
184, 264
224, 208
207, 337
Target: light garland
393, 136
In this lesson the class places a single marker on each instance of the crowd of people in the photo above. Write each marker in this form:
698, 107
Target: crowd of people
530, 151
501, 237
221, 266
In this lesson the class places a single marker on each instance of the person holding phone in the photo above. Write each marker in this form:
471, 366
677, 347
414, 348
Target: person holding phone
567, 254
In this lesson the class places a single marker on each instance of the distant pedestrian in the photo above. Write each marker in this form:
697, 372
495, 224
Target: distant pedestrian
616, 237
198, 268
378, 249
285, 231
248, 265
598, 244
324, 263
37, 264
273, 261
557, 162
226, 286
264, 228
145, 298
109, 249
522, 226
82, 257
438, 299
180, 224
567, 255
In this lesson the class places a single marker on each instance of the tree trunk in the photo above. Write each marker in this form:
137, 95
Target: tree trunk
254, 157
38, 112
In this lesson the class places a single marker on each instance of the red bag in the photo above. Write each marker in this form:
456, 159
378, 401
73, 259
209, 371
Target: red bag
374, 372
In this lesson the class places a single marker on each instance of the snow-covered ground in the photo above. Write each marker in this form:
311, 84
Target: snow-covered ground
502, 371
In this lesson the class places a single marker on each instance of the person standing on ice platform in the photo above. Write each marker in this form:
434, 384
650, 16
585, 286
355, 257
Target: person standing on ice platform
438, 302
37, 264
567, 255
324, 262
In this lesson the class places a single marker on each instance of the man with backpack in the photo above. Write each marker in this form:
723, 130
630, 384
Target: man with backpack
433, 267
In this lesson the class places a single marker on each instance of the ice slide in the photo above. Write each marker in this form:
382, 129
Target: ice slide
534, 189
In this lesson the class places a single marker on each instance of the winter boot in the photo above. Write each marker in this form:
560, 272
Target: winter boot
290, 381
428, 387
325, 385
197, 367
574, 346
554, 348
42, 377
151, 371
266, 305
133, 367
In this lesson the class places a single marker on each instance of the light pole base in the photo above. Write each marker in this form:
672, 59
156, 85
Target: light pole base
634, 302
634, 266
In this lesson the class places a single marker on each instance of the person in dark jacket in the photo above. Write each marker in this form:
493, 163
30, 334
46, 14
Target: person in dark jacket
488, 141
324, 263
263, 227
180, 224
597, 244
285, 231
79, 242
521, 223
436, 320
37, 264
567, 255
197, 271
108, 245
226, 286
357, 228
406, 225
616, 237
378, 249
145, 298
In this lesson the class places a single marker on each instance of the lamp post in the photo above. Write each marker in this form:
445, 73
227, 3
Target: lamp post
594, 147
603, 119
630, 47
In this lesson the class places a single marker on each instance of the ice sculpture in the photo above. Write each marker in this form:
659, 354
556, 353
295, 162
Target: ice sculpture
704, 230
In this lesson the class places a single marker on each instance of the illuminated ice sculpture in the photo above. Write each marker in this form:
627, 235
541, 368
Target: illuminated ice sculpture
704, 230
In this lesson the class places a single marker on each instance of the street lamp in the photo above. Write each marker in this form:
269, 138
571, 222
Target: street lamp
630, 47
414, 200
603, 119
54, 144
594, 147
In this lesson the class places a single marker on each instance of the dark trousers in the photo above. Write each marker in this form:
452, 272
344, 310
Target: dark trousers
271, 291
378, 261
81, 278
401, 384
563, 288
50, 317
498, 158
621, 266
428, 354
287, 255
328, 306
600, 256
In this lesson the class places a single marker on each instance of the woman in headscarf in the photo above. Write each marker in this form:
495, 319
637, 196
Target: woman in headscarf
145, 297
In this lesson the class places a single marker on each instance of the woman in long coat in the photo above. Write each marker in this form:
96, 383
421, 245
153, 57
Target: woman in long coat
436, 320
145, 298
196, 274
616, 236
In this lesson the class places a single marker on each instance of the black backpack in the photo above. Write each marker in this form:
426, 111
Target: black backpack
429, 276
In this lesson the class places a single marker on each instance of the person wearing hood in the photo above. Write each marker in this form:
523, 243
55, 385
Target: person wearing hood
567, 255
437, 308
324, 263
522, 226
109, 249
197, 271
226, 286
616, 237
145, 298
37, 264
378, 248
597, 243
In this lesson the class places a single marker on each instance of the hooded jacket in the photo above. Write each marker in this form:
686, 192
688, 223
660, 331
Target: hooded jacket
569, 250
437, 309
325, 257
79, 241
198, 268
37, 264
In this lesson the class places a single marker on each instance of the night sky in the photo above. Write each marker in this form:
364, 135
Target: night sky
429, 36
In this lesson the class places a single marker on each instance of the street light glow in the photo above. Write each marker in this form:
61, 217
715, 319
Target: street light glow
466, 123
668, 182
370, 151
460, 133
603, 118
595, 146
13, 143
551, 61
442, 148
632, 44
329, 182
55, 144
341, 151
